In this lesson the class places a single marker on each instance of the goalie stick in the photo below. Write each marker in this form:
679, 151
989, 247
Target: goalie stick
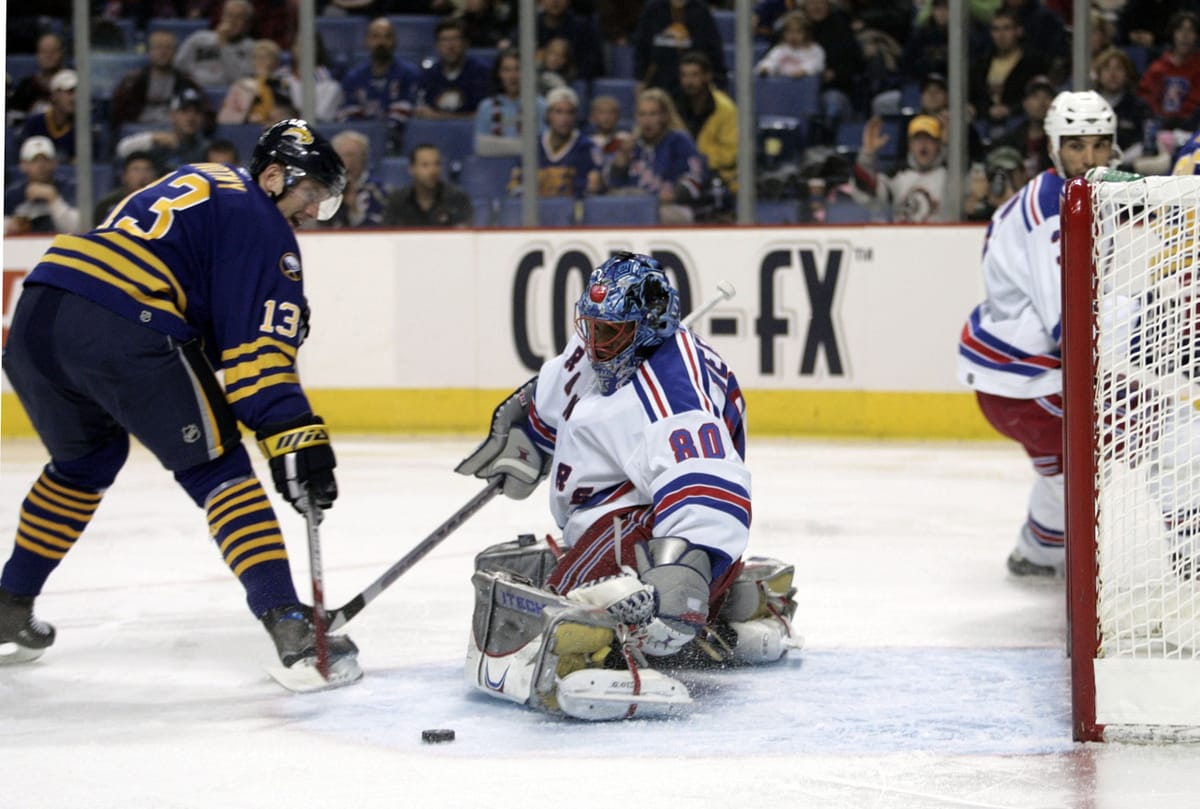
339, 617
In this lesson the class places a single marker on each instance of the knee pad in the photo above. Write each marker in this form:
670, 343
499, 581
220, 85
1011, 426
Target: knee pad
97, 470
202, 480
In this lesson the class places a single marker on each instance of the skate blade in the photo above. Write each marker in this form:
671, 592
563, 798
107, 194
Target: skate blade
600, 694
12, 654
302, 677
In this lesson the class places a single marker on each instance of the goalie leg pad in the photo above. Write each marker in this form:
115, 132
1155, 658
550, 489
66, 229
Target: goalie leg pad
759, 609
527, 558
526, 643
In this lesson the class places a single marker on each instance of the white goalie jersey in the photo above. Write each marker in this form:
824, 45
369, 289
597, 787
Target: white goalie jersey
672, 439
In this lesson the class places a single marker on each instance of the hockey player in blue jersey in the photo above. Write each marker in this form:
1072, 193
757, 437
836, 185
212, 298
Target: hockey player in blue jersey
118, 332
640, 426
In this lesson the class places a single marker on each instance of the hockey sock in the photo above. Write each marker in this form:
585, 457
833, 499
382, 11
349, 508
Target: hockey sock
246, 530
53, 516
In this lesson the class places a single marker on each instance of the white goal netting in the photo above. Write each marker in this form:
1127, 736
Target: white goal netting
1146, 411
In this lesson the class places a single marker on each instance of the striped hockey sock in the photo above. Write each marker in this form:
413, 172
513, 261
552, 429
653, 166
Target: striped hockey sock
53, 516
246, 530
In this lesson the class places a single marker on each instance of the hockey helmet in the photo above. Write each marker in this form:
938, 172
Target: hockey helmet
303, 152
1085, 113
627, 309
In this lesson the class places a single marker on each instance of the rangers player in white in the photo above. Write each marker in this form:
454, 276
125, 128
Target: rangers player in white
639, 426
1009, 350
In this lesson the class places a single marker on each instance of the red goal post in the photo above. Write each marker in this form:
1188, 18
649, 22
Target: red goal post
1131, 387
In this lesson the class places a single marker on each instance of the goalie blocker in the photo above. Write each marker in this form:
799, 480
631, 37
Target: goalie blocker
569, 657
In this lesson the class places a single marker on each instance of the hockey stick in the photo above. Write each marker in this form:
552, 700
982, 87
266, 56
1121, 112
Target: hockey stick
312, 519
339, 617
342, 615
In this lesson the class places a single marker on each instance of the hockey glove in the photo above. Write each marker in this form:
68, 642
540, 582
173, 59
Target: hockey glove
301, 460
508, 455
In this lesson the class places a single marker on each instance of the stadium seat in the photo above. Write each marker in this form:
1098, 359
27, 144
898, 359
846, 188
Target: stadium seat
485, 55
553, 212
847, 211
794, 98
342, 35
483, 211
621, 62
108, 68
392, 172
243, 137
415, 32
486, 176
1140, 56
620, 210
455, 137
776, 212
726, 21
20, 65
624, 90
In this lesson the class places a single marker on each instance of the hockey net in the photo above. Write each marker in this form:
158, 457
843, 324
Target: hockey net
1131, 371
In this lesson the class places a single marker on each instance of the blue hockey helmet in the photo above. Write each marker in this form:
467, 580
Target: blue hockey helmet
303, 152
627, 309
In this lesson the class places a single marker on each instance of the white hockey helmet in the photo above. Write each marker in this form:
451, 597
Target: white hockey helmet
1085, 113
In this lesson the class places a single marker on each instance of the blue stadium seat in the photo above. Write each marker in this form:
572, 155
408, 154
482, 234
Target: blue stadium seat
108, 68
584, 92
20, 65
846, 211
455, 137
242, 136
392, 172
485, 55
776, 212
794, 98
342, 35
623, 90
414, 32
620, 210
483, 211
726, 21
1139, 55
486, 176
620, 62
181, 27
553, 212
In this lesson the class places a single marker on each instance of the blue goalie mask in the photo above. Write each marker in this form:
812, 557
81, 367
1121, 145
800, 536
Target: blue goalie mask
627, 310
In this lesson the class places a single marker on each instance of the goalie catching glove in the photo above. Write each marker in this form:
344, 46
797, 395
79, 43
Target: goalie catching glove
508, 455
301, 460
665, 603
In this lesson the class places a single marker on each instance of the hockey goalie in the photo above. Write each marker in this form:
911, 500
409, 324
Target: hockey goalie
640, 428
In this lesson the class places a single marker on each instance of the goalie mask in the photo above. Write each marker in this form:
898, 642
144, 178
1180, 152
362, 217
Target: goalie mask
302, 152
1073, 114
627, 309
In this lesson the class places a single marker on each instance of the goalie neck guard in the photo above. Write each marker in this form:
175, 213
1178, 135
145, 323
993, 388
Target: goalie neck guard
303, 152
627, 310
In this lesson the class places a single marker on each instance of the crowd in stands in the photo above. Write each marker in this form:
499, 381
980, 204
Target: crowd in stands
637, 102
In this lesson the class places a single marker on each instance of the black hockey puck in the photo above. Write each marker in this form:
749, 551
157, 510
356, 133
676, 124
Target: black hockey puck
437, 735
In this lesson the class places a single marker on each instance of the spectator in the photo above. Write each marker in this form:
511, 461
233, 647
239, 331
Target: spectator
556, 65
455, 83
618, 19
326, 89
498, 119
891, 17
935, 101
144, 95
487, 23
567, 165
182, 143
263, 98
710, 117
604, 130
916, 192
1116, 81
223, 54
32, 93
39, 203
994, 182
927, 49
383, 88
556, 20
430, 201
843, 66
276, 21
1171, 84
1028, 137
137, 172
57, 121
1146, 23
1044, 33
661, 159
364, 199
998, 81
796, 54
666, 30
222, 151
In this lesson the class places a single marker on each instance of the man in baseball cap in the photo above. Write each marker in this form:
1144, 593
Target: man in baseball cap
37, 203
57, 122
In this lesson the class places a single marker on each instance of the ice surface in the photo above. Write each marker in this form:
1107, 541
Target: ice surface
929, 678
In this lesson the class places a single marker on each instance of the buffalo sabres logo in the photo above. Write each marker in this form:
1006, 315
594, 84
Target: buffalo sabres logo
299, 133
289, 265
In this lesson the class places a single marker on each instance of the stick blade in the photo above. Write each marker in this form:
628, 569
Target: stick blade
303, 676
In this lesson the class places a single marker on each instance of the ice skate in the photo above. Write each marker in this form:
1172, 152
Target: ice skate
1031, 560
291, 628
22, 636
